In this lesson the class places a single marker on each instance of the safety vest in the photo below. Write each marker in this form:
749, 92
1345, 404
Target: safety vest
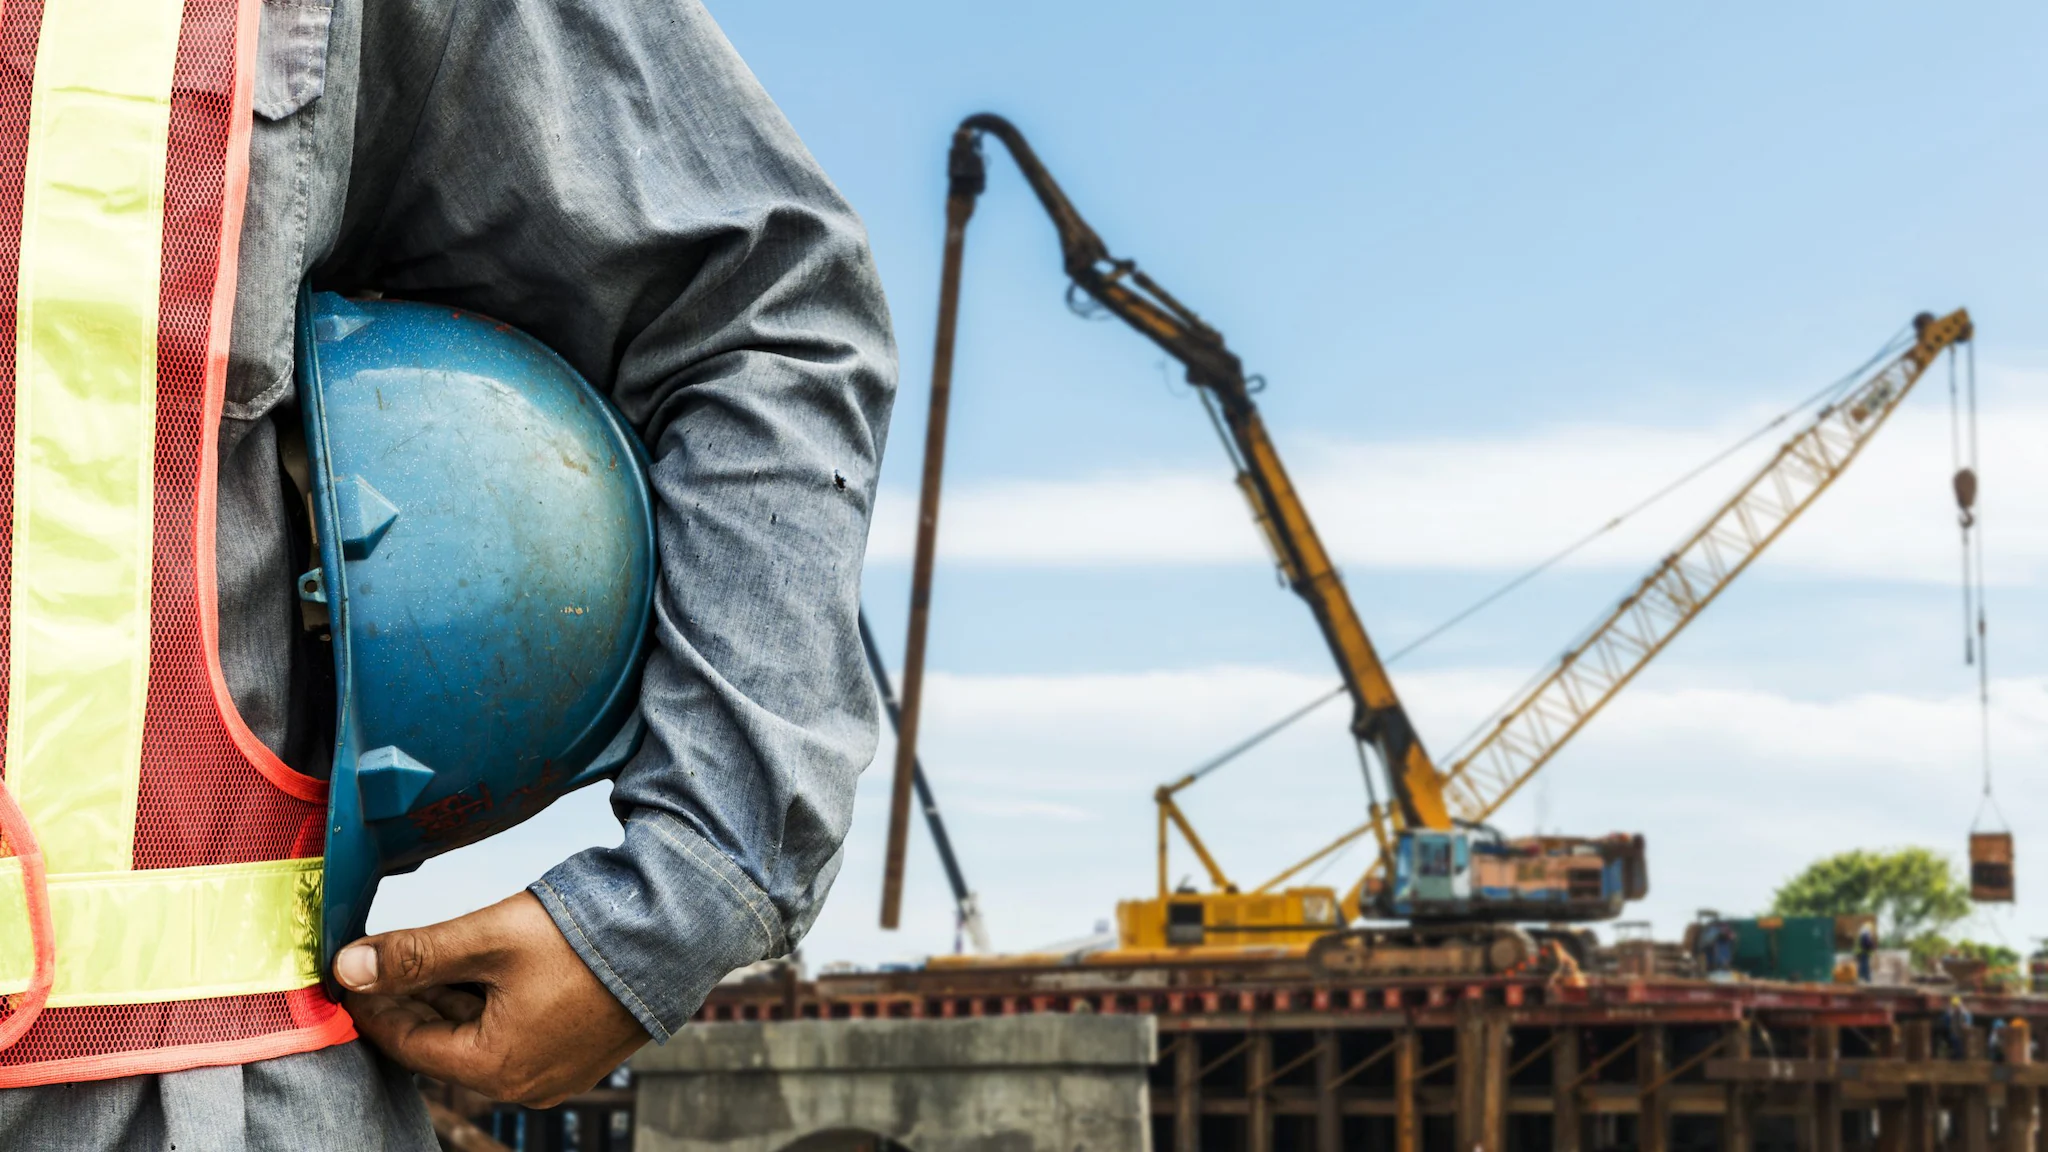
159, 868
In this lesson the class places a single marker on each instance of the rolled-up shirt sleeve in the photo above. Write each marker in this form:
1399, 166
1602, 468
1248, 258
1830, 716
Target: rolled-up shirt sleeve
607, 175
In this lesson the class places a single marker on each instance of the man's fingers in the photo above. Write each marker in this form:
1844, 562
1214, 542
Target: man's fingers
540, 1027
400, 963
413, 1033
418, 1033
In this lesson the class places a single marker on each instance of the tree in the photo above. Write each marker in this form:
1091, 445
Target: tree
1913, 892
2002, 964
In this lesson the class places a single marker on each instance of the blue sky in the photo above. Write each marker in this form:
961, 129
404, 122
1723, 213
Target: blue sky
1506, 269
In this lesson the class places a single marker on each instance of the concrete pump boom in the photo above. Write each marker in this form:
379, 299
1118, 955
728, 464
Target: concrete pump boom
1378, 718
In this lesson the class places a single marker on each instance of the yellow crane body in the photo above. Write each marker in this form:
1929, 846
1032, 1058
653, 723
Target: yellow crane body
1601, 662
1525, 734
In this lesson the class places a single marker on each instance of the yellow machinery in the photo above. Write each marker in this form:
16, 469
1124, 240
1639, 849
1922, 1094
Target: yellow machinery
1223, 917
1233, 921
1460, 887
1530, 729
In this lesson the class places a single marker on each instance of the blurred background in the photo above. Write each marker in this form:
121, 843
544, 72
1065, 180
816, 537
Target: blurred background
1507, 270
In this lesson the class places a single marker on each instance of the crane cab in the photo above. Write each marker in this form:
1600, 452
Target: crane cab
1433, 869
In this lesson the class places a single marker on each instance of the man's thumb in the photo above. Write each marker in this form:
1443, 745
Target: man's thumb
397, 963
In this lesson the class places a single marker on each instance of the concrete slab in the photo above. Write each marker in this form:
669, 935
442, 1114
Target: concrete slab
1052, 1083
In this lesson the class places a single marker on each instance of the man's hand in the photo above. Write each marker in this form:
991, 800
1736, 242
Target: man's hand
495, 1001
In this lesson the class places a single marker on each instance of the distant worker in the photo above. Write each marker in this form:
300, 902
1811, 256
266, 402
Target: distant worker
1956, 1023
1866, 948
1564, 968
1995, 1042
606, 176
1720, 947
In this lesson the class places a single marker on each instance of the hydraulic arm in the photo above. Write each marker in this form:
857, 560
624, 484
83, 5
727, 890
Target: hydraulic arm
1216, 372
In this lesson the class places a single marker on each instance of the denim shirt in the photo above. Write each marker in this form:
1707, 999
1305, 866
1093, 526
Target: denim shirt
608, 176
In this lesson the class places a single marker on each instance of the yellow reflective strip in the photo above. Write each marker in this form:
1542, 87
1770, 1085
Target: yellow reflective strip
171, 934
85, 415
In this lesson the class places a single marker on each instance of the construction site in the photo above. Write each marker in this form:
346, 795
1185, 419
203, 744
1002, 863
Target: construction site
590, 576
1466, 991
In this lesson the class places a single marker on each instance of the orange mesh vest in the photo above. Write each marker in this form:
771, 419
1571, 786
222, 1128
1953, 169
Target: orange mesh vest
159, 868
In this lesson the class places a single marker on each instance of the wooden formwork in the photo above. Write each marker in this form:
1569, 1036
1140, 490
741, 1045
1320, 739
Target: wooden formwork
1263, 1059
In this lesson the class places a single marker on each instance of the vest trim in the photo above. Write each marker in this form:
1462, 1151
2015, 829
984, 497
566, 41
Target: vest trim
333, 1028
233, 197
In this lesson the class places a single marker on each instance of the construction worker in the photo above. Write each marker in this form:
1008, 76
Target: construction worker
1955, 1027
1866, 948
1720, 947
606, 175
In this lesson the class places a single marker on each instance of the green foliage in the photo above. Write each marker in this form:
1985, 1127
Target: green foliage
1995, 955
1914, 892
1927, 951
2002, 964
1931, 948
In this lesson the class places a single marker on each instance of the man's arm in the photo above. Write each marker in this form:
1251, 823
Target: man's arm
607, 175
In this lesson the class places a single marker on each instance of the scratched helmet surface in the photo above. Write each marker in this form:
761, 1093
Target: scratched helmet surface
486, 559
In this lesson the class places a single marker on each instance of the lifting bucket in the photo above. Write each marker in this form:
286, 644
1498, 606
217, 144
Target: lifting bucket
1991, 867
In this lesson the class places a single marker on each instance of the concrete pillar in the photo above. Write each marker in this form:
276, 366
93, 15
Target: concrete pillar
1040, 1083
1329, 1120
1921, 1112
1494, 1092
1187, 1094
1470, 1037
2022, 1043
1567, 1126
1891, 1114
1654, 1119
1473, 1070
1482, 1068
2016, 1127
1258, 1108
1736, 1126
1826, 1043
1976, 1098
1407, 1117
1891, 1126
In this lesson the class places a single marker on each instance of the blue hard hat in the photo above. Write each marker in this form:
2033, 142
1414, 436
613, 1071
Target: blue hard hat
486, 559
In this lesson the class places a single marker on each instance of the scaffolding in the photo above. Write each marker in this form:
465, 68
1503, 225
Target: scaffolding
1254, 1057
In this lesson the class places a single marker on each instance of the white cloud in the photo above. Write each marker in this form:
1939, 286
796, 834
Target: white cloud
1504, 503
1736, 789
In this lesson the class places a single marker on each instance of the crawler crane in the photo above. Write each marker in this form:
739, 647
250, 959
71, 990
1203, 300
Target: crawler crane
1461, 893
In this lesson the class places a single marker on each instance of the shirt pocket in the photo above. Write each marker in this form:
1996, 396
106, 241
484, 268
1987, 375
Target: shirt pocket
291, 55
